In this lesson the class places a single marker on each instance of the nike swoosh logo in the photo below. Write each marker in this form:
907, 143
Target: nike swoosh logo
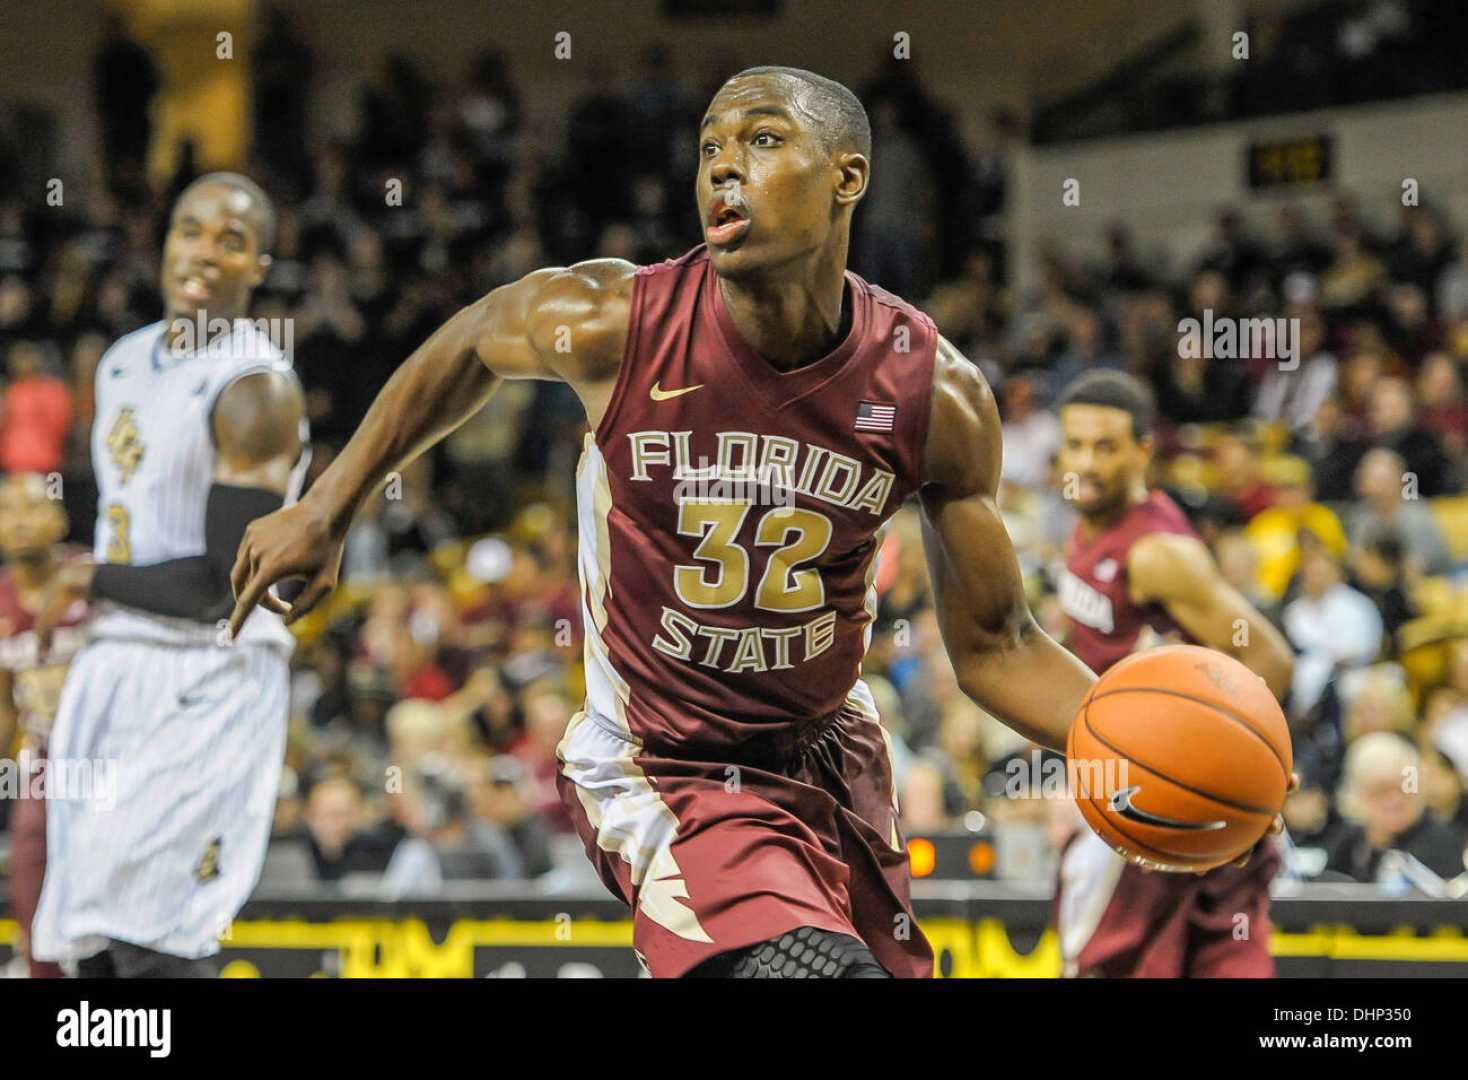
1121, 803
657, 393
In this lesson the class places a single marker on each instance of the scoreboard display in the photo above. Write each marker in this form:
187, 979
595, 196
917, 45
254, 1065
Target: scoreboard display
1290, 162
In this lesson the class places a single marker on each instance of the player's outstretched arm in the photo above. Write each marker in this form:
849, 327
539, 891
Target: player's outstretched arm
1002, 658
1179, 573
564, 324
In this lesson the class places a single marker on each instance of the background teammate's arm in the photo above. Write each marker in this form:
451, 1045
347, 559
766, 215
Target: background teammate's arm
562, 324
1179, 573
256, 424
1002, 658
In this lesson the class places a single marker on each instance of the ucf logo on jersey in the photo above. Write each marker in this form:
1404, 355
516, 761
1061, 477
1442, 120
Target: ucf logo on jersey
124, 445
208, 868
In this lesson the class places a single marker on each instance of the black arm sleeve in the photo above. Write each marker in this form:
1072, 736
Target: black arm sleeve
197, 587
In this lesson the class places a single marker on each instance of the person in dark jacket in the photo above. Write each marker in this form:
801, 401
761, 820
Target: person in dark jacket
1382, 797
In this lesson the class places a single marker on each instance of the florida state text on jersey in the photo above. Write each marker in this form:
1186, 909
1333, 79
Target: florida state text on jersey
730, 512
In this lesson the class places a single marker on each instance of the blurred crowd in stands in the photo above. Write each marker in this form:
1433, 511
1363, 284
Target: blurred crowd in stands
431, 690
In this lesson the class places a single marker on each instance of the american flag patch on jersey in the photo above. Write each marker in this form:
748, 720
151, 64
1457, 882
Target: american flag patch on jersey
875, 416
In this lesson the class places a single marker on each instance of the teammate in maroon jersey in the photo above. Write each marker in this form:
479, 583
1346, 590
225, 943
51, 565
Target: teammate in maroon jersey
757, 414
1136, 571
31, 527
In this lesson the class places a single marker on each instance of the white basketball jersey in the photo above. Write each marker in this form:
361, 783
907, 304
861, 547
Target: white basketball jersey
153, 453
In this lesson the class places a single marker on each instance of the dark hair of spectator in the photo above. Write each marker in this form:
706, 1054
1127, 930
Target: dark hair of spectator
1386, 545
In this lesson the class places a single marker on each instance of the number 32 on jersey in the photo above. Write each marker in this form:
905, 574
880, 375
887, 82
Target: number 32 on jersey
723, 580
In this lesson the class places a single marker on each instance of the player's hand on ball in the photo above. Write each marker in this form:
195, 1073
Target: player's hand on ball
1275, 828
294, 542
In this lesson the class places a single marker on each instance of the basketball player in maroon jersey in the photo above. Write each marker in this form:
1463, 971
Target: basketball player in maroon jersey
1135, 572
31, 527
728, 773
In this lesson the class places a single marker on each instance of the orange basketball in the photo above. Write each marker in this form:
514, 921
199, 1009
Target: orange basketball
1180, 758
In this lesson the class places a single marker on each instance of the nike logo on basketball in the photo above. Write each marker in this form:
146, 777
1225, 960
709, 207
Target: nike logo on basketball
1121, 803
657, 393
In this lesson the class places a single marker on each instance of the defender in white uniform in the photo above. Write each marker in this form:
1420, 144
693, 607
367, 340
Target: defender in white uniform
185, 726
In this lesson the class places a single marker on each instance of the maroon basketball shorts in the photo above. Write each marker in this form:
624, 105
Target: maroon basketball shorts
713, 856
1116, 920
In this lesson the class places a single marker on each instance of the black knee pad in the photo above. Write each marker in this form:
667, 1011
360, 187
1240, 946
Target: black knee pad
135, 962
806, 953
97, 966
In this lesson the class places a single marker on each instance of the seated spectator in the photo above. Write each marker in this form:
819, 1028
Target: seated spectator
496, 788
339, 835
924, 802
1378, 569
1443, 788
1353, 276
1409, 328
547, 712
1088, 350
441, 846
1293, 397
959, 754
1030, 434
1376, 698
1451, 291
1240, 478
1444, 409
1310, 815
1392, 425
1333, 444
1445, 718
1388, 504
1331, 625
1201, 390
1381, 799
1296, 248
35, 414
1422, 250
1276, 532
1238, 561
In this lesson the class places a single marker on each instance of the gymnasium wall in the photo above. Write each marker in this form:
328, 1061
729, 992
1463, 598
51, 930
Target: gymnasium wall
1168, 186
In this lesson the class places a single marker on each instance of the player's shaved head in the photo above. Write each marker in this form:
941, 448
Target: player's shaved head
217, 249
837, 112
783, 163
254, 205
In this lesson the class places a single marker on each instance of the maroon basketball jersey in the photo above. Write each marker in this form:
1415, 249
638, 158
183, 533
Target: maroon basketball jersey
1104, 622
36, 686
729, 514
